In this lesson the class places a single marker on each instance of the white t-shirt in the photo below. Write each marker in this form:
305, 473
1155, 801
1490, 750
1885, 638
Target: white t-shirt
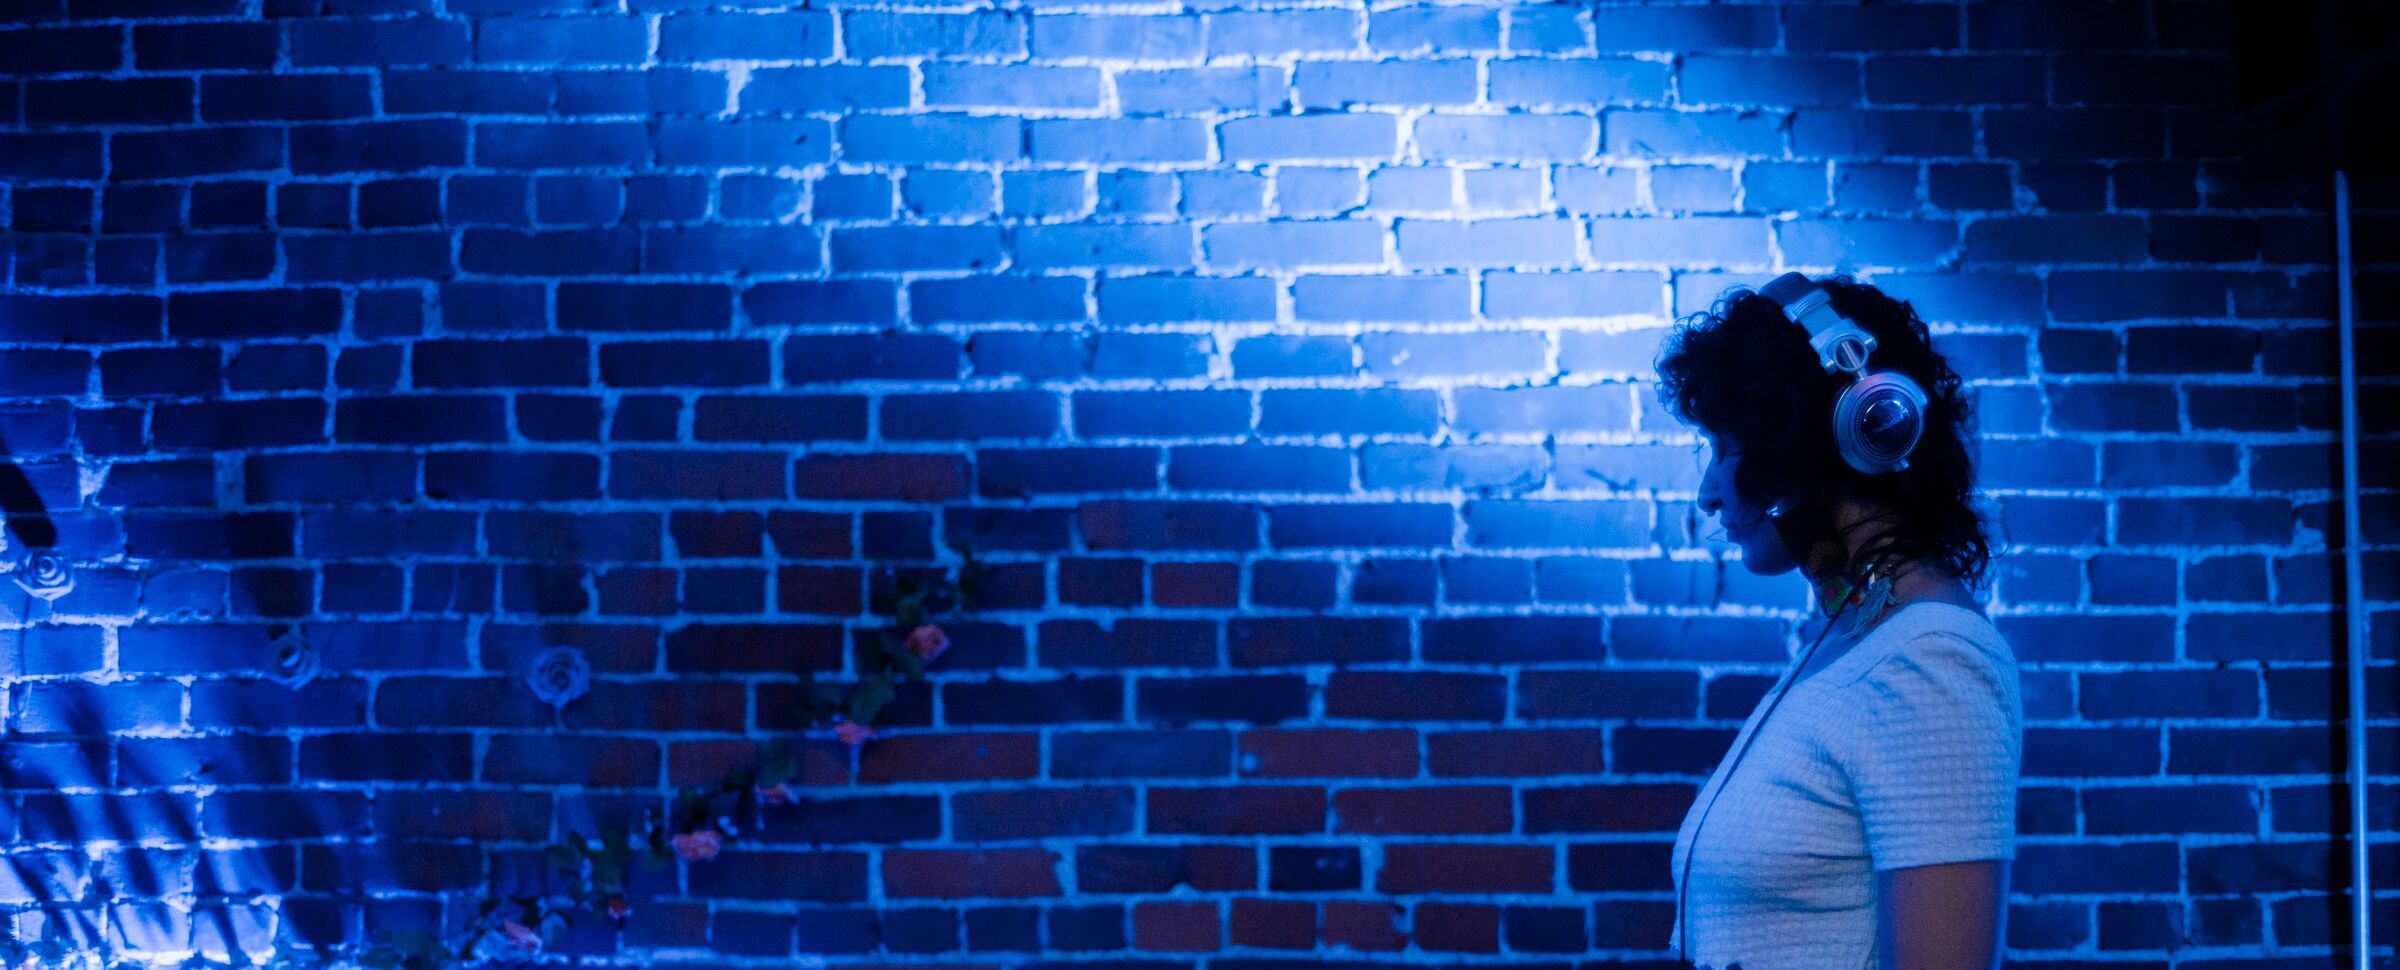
1901, 752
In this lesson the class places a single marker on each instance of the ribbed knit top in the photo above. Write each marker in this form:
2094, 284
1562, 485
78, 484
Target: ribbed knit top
1903, 751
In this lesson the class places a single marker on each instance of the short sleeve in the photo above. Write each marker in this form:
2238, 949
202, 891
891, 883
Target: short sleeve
1934, 756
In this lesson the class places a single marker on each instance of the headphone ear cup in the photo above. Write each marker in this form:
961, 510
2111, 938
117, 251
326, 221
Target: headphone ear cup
1878, 420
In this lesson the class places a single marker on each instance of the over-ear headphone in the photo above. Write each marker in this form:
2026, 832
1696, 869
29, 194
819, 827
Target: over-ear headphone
1880, 414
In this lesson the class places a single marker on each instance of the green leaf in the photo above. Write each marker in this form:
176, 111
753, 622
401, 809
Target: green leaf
777, 762
868, 700
911, 666
691, 811
818, 700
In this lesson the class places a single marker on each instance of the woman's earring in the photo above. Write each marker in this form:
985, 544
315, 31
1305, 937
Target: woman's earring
1776, 510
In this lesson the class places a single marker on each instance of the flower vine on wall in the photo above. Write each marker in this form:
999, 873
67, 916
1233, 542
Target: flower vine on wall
695, 827
700, 820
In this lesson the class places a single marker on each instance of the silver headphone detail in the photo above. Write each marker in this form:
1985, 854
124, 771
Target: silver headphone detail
1880, 415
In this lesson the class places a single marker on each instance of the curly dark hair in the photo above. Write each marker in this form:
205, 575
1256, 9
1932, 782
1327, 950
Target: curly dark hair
1740, 371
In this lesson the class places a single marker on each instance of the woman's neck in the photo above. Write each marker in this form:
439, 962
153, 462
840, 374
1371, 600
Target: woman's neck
1854, 524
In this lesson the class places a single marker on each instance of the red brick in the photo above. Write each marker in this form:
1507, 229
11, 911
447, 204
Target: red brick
411, 702
638, 591
1274, 923
1092, 581
901, 477
949, 757
1129, 642
1425, 811
821, 761
1360, 925
1109, 868
265, 705
1257, 810
1329, 753
820, 590
611, 648
1415, 696
413, 756
761, 647
680, 705
809, 535
703, 762
1619, 867
828, 877
660, 924
1188, 927
1436, 868
1607, 808
1458, 928
1632, 923
1516, 752
388, 867
1195, 584
1279, 641
538, 759
958, 873
488, 816
712, 533
978, 816
1602, 694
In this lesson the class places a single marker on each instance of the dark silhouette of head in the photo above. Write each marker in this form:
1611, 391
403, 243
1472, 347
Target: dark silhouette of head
1744, 375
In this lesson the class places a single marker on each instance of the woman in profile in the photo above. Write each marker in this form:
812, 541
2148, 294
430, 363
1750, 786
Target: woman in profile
1865, 815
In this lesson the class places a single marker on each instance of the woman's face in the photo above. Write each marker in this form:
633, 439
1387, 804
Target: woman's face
1746, 525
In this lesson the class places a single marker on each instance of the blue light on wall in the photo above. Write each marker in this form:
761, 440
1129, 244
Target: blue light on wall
1291, 371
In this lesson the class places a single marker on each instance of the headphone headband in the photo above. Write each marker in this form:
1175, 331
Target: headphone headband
1841, 345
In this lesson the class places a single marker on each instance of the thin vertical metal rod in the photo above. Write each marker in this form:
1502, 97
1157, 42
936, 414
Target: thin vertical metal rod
2360, 891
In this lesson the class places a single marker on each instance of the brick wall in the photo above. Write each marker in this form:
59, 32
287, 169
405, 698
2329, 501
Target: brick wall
1290, 364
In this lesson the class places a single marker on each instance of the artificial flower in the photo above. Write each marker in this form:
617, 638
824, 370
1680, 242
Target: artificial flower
698, 846
293, 661
928, 641
559, 676
521, 935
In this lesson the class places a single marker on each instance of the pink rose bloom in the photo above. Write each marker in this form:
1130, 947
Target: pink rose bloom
852, 732
928, 641
521, 935
618, 908
698, 846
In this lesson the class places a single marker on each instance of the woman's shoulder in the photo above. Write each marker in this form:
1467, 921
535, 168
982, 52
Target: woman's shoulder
1936, 635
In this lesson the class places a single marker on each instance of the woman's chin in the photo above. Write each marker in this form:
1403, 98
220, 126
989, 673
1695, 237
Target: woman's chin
1761, 560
